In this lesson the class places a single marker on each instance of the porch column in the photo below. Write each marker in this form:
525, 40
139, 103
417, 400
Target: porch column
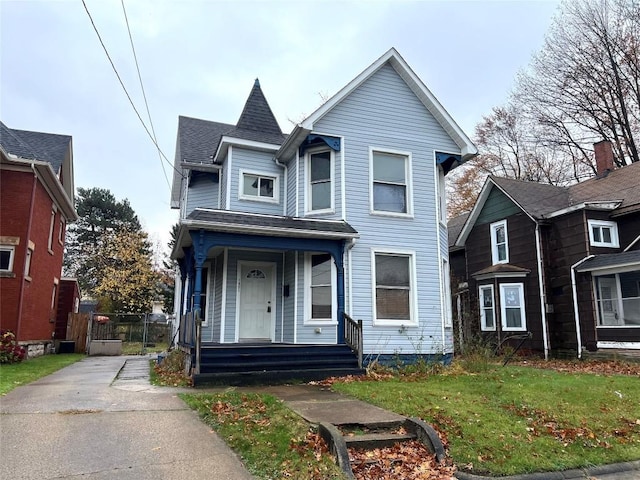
200, 255
338, 258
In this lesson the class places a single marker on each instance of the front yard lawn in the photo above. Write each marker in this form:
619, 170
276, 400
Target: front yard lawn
15, 374
519, 419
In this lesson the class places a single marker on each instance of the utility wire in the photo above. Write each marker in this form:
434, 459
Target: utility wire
115, 70
144, 95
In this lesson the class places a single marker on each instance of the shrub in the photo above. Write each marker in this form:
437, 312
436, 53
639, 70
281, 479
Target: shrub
10, 351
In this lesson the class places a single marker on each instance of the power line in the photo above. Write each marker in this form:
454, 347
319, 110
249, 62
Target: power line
115, 70
144, 95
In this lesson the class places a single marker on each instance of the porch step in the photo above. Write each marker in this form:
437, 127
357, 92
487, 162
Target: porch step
238, 364
370, 441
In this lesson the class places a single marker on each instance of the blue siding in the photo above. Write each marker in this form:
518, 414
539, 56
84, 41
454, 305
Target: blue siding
202, 194
384, 113
223, 187
259, 162
289, 302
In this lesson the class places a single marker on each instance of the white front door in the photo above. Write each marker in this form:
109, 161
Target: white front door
256, 309
610, 314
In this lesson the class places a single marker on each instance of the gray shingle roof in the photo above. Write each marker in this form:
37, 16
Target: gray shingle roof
454, 227
610, 260
537, 199
46, 147
225, 220
199, 138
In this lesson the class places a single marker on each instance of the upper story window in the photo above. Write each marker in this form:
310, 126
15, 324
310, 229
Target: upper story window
320, 181
499, 242
603, 233
390, 182
51, 228
7, 253
394, 288
257, 186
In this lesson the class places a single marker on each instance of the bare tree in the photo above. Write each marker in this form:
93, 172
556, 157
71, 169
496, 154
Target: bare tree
584, 85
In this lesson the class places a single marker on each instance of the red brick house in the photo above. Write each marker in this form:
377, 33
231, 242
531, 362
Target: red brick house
36, 204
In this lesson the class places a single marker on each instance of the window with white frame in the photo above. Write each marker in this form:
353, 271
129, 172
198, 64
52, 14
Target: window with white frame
320, 181
446, 292
512, 309
52, 224
487, 308
603, 233
390, 189
319, 273
499, 242
257, 186
394, 288
7, 253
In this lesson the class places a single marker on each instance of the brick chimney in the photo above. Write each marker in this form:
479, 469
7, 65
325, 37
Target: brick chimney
604, 157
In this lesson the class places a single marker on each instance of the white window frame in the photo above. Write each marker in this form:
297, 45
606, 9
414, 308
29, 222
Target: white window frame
495, 257
483, 309
407, 177
308, 201
446, 293
51, 229
258, 198
503, 308
413, 285
307, 292
12, 255
613, 226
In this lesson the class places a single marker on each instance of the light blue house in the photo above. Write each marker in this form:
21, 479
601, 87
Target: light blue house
286, 242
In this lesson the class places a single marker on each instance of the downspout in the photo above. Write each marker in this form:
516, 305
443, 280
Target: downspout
574, 292
285, 184
630, 246
24, 264
350, 245
543, 309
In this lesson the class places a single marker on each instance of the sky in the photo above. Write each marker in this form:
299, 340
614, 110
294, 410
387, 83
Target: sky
199, 58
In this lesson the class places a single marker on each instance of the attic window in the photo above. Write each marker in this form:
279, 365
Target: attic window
603, 234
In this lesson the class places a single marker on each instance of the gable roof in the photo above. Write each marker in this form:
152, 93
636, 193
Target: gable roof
46, 147
393, 58
617, 192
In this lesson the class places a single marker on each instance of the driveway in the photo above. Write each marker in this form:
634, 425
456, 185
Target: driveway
75, 423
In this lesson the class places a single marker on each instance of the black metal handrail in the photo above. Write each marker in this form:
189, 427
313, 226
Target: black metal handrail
353, 336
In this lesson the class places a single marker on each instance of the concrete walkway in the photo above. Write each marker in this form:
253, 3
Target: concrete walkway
75, 423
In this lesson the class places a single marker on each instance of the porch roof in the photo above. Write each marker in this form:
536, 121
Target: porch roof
500, 270
611, 261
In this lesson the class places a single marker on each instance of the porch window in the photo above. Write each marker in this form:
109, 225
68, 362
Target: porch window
487, 309
512, 307
618, 299
7, 253
603, 233
390, 192
499, 242
319, 181
319, 280
257, 186
393, 274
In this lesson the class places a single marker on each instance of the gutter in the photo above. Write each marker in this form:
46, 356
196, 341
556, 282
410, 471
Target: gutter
574, 292
285, 184
543, 309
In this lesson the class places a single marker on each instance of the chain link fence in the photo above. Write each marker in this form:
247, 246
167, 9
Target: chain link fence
138, 333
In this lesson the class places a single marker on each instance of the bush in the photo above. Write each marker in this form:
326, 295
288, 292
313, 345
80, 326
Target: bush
10, 351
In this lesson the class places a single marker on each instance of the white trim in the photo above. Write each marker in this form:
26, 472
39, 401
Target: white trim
483, 317
603, 205
307, 292
613, 228
54, 211
295, 297
282, 282
621, 345
12, 255
495, 258
408, 169
307, 182
487, 276
274, 284
223, 300
258, 198
446, 294
503, 308
343, 183
413, 287
297, 209
230, 171
541, 293
226, 143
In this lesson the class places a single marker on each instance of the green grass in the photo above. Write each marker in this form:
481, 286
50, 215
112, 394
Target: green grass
135, 348
16, 374
272, 441
513, 420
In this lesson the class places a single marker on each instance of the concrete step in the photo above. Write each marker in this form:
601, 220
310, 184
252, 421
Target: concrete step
370, 441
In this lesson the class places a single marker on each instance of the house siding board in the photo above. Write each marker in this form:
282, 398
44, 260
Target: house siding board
217, 265
262, 162
384, 113
224, 171
288, 334
496, 207
202, 194
291, 189
628, 230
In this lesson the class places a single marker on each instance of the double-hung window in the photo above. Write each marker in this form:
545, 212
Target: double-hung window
390, 182
487, 308
319, 181
394, 288
603, 233
499, 242
7, 253
257, 186
320, 274
512, 307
